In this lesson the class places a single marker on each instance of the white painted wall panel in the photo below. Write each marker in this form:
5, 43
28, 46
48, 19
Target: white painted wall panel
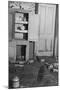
33, 27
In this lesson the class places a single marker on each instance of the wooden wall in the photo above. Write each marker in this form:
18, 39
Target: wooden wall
12, 48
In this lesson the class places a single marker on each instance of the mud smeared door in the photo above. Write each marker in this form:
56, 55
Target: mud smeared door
44, 46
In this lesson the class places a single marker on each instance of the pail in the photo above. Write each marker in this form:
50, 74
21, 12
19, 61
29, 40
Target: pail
16, 83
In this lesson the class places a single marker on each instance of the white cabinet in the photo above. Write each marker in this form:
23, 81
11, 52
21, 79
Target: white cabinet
44, 45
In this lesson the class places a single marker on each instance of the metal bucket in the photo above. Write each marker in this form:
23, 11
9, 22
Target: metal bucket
16, 83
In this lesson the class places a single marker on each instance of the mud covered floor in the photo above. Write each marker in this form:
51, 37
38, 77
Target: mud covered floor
31, 76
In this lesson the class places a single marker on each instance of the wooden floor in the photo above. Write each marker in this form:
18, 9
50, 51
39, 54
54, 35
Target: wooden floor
29, 77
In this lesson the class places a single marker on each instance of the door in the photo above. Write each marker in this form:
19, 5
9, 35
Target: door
44, 46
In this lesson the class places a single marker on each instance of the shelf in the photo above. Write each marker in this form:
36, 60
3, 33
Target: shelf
21, 36
18, 10
21, 22
22, 31
20, 39
21, 26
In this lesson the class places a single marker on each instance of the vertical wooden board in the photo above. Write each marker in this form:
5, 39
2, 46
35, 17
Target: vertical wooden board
42, 19
31, 49
49, 46
37, 45
50, 20
42, 45
30, 31
10, 26
12, 50
33, 27
18, 50
56, 47
27, 51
